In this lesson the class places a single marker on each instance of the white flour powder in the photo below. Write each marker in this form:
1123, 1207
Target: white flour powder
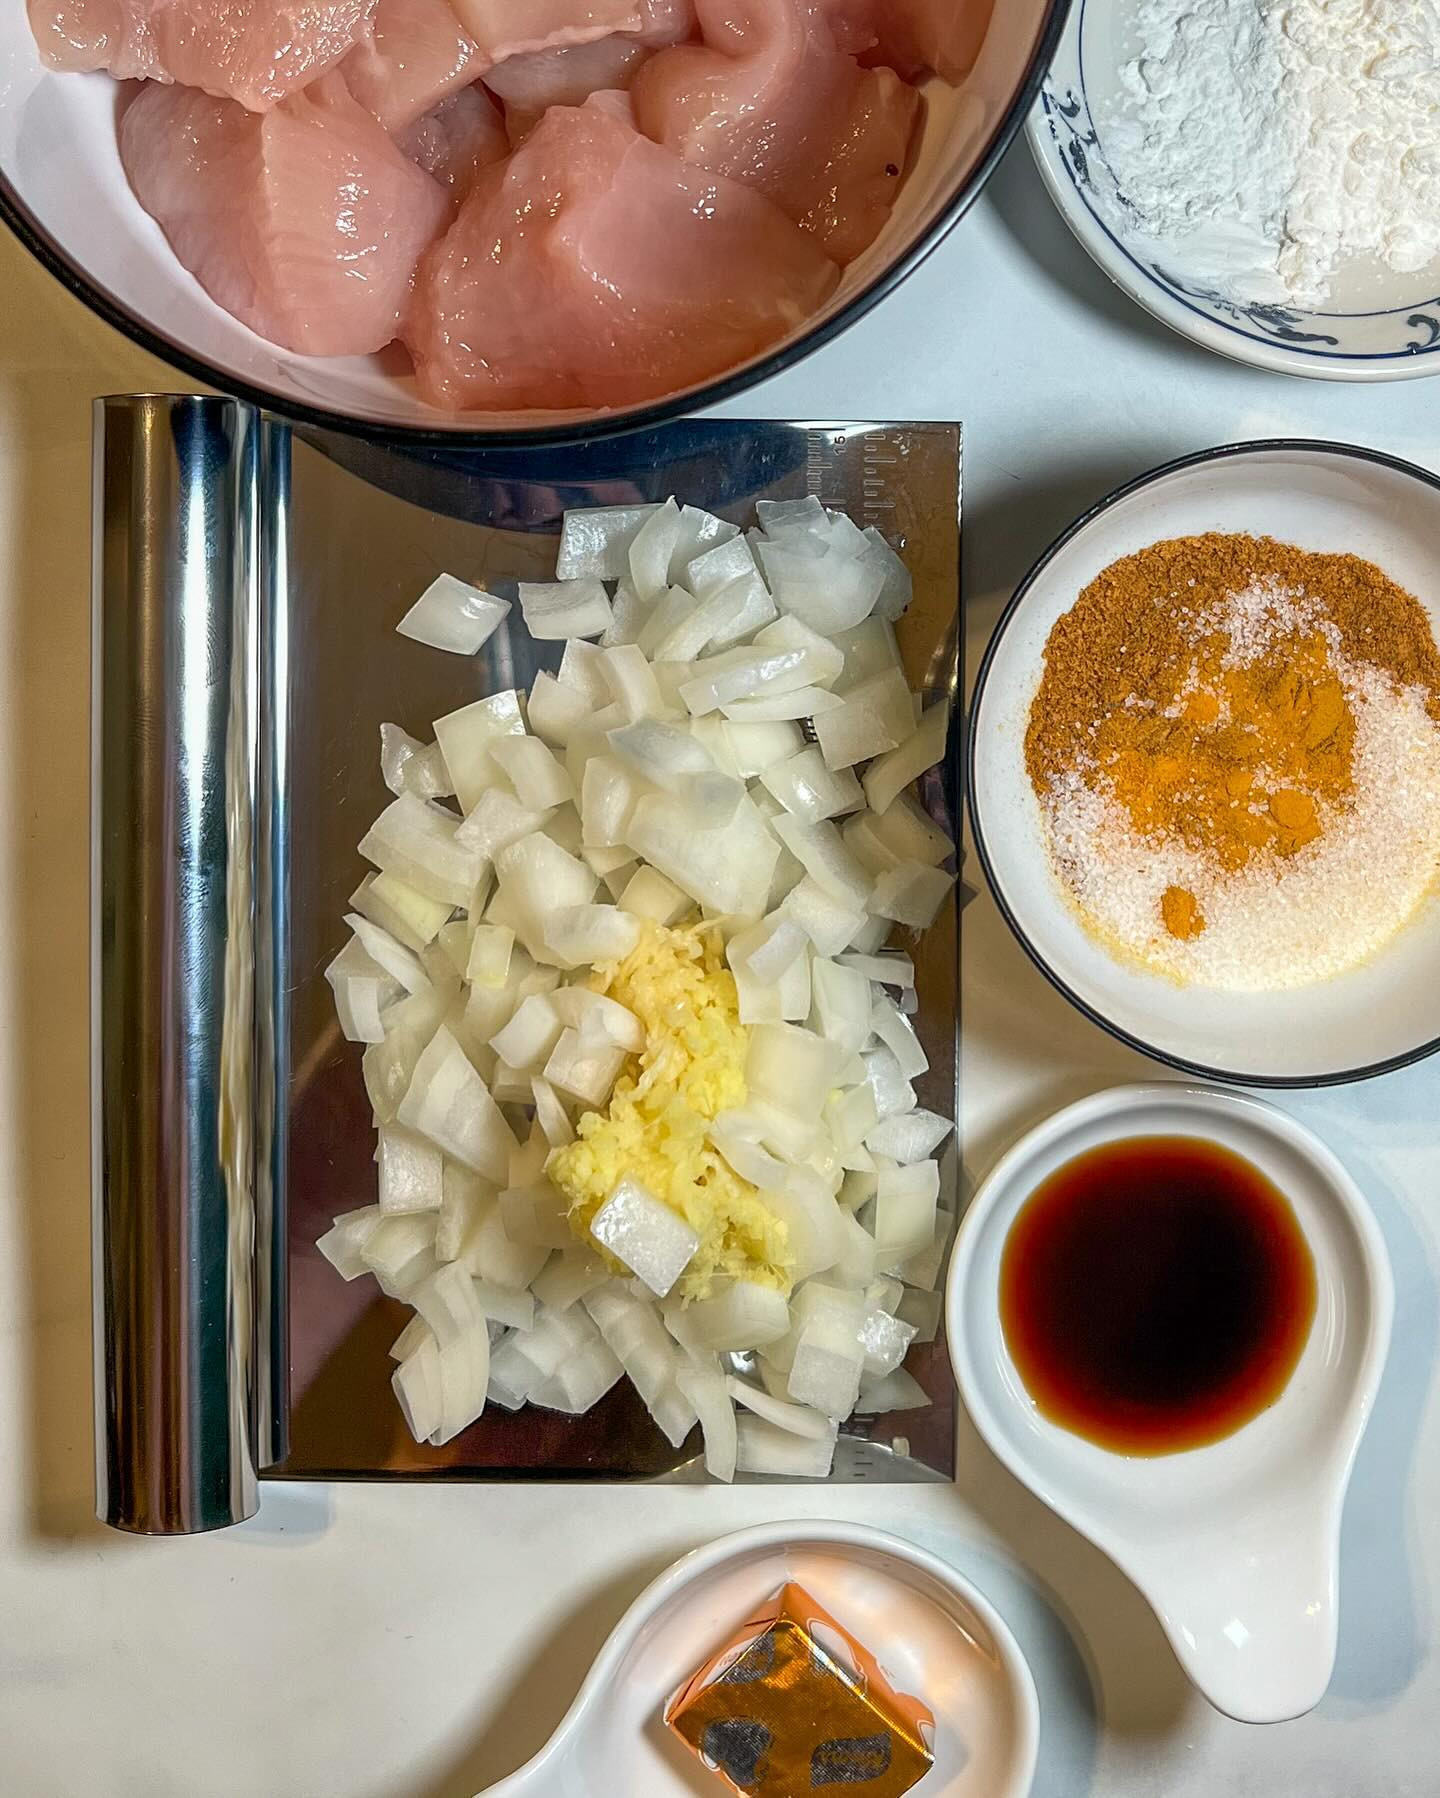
1277, 138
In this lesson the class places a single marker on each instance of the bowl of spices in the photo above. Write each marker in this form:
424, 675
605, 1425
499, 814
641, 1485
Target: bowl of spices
1204, 763
1170, 1308
1261, 175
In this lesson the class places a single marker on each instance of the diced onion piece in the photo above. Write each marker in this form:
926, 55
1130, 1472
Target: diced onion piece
568, 1276
729, 869
512, 1377
800, 702
449, 1103
739, 674
886, 1341
744, 1315
706, 1390
550, 1114
389, 1066
897, 1391
888, 695
402, 964
464, 1199
599, 1019
596, 541
869, 648
628, 615
631, 682
410, 1338
648, 894
454, 616
894, 969
897, 588
582, 666
795, 1420
530, 1035
673, 1413
827, 921
556, 611
537, 876
531, 768
896, 1033
852, 731
411, 767
824, 662
448, 1302
362, 990
608, 792
651, 550
924, 1269
715, 616
793, 1068
911, 894
856, 1263
718, 566
851, 1115
661, 753
411, 918
343, 1243
399, 1251
584, 1072
491, 947
411, 1171
417, 1386
910, 1137
893, 1092
416, 842
888, 777
590, 935
911, 834
750, 608
842, 1005
466, 736
515, 1310
768, 948
814, 1238
698, 532
873, 934
491, 1254
830, 593
829, 1361
557, 711
775, 1453
654, 1242
806, 787
756, 747
821, 851
464, 1379
536, 1214
780, 517
712, 799
905, 1205
581, 1381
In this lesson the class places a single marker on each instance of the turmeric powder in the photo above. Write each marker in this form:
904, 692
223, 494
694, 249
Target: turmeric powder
1200, 684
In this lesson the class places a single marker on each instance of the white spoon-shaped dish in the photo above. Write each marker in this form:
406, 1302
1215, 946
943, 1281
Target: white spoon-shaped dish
932, 1632
1235, 1545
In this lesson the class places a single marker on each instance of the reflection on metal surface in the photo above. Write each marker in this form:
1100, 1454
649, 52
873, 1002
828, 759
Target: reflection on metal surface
178, 536
361, 550
247, 593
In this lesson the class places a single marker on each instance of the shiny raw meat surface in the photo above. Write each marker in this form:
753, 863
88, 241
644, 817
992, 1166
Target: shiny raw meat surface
566, 76
940, 35
462, 136
253, 51
769, 100
594, 268
510, 27
412, 56
305, 222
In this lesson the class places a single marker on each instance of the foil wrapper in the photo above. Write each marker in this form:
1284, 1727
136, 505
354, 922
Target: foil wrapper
794, 1704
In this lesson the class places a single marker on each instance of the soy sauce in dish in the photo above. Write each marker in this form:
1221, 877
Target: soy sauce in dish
1156, 1294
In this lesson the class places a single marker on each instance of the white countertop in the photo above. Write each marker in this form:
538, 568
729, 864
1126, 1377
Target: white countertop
393, 1642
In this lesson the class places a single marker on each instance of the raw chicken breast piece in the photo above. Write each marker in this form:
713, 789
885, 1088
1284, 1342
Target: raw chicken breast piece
253, 51
462, 136
769, 100
853, 23
664, 22
511, 27
305, 222
565, 76
411, 57
594, 268
941, 35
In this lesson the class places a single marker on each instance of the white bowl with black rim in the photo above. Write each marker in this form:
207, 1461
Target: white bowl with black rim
1331, 498
1381, 325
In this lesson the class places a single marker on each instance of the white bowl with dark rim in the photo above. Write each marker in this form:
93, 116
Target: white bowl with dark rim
64, 194
1380, 326
1326, 497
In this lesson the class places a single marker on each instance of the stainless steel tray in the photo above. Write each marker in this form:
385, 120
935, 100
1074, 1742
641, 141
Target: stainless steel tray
248, 586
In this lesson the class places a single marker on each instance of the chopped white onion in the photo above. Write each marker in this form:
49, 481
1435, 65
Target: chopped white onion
415, 841
411, 1171
904, 1210
535, 1214
654, 1242
362, 990
411, 918
897, 1391
830, 923
794, 1068
912, 894
706, 1390
795, 1420
651, 551
888, 777
779, 1454
587, 1073
852, 731
454, 616
596, 541
893, 1092
530, 1035
608, 792
648, 894
557, 711
886, 1341
813, 792
557, 611
466, 737
449, 1103
911, 834
698, 532
895, 1031
912, 1136
343, 1243
743, 1315
411, 767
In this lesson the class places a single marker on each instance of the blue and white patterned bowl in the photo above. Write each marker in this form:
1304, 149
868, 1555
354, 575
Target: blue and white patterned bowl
1397, 340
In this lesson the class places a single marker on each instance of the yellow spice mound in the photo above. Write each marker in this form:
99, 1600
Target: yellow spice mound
654, 1130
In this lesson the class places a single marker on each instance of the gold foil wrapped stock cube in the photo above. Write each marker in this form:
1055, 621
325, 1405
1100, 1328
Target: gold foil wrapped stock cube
793, 1705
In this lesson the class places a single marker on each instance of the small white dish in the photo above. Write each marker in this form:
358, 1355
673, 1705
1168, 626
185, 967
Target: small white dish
1327, 497
1234, 1545
1386, 329
932, 1632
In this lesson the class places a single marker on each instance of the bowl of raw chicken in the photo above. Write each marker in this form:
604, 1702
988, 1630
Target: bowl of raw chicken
492, 220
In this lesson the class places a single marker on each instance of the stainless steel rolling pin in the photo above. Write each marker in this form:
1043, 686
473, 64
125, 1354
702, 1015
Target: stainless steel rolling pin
180, 571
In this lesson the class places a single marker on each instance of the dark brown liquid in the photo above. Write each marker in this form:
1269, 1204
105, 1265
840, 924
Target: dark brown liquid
1156, 1294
